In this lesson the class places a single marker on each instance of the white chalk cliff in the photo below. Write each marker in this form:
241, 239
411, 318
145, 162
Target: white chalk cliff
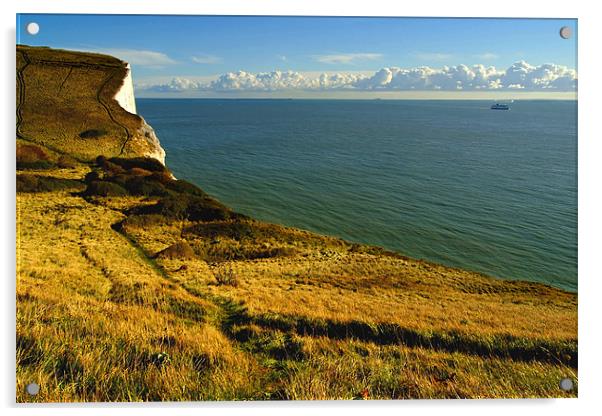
126, 99
125, 94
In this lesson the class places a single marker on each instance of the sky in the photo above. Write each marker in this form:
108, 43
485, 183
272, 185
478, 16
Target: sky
324, 57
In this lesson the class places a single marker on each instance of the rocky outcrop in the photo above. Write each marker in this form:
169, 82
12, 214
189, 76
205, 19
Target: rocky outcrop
155, 150
81, 104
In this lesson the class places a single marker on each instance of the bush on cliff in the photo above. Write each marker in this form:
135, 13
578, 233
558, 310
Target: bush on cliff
162, 177
104, 188
188, 207
183, 187
140, 185
108, 166
145, 176
146, 163
92, 176
139, 172
34, 183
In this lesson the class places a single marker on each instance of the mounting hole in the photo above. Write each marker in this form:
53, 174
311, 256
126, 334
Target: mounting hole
565, 32
32, 28
32, 389
566, 384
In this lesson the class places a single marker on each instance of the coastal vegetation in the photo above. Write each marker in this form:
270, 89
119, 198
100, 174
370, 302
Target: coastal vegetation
133, 285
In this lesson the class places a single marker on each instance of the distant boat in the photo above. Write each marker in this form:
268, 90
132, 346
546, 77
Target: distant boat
498, 106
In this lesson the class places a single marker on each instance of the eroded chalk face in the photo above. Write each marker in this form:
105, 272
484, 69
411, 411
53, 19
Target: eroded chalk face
125, 94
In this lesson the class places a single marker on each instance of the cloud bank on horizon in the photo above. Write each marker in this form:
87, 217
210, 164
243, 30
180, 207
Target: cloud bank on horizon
519, 76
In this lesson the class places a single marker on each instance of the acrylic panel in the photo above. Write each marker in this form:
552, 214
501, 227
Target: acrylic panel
295, 208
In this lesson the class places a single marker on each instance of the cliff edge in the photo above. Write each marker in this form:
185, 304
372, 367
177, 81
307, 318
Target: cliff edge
81, 104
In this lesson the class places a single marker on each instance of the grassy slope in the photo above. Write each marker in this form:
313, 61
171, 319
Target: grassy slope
100, 317
250, 310
61, 94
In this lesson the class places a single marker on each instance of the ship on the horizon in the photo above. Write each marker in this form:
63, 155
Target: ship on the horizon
498, 106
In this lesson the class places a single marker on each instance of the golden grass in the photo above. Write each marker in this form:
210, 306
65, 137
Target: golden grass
100, 319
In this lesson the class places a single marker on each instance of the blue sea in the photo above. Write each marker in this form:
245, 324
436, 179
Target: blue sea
451, 182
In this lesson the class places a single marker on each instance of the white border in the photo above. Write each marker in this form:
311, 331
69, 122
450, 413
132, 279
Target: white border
590, 341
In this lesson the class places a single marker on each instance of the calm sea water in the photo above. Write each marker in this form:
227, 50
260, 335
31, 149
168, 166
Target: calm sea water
449, 181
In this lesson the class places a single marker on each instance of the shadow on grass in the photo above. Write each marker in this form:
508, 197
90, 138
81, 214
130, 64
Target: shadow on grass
39, 183
500, 346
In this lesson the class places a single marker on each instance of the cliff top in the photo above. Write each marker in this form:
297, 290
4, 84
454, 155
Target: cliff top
66, 102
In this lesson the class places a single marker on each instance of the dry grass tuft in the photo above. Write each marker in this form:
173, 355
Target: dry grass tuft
226, 276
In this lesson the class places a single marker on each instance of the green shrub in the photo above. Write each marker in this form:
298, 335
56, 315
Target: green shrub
140, 185
183, 187
112, 168
108, 166
162, 177
146, 163
120, 179
104, 188
207, 210
33, 183
171, 207
101, 160
92, 176
193, 208
139, 172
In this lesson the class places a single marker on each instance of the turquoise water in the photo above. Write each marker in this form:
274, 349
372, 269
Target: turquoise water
448, 181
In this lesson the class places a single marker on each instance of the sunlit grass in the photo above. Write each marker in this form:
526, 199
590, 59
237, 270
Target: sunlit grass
262, 311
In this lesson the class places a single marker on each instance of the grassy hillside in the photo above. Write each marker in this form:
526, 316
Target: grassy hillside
133, 286
65, 101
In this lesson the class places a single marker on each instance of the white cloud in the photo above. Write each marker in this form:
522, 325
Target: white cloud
206, 59
262, 81
140, 57
520, 75
175, 85
546, 76
346, 58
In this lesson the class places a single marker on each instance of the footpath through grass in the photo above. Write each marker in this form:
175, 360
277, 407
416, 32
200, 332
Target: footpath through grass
159, 292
